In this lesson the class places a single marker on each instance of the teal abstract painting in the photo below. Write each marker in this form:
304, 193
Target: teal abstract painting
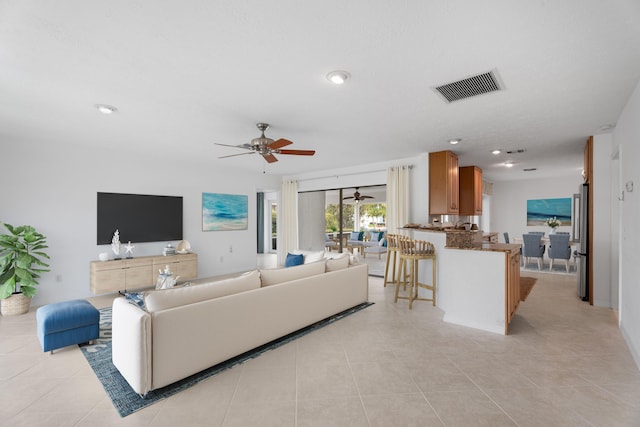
224, 212
539, 210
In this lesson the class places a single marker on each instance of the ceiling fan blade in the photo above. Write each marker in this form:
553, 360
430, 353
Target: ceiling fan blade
345, 198
367, 197
270, 158
233, 155
298, 152
246, 146
279, 143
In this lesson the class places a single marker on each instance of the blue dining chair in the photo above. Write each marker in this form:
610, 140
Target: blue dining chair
533, 248
559, 249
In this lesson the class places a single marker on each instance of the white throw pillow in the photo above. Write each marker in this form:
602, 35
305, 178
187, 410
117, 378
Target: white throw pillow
338, 262
310, 256
273, 276
164, 299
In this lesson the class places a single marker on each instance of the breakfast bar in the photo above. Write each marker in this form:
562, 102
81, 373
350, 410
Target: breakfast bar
478, 282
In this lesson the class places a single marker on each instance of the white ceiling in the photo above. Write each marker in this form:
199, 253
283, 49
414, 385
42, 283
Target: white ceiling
187, 74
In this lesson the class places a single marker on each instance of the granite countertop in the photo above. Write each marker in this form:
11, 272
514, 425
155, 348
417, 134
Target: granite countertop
492, 247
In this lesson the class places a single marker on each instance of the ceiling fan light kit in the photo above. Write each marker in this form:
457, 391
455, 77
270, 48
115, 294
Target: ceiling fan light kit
267, 147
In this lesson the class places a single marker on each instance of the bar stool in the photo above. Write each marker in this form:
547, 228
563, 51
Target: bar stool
412, 252
392, 250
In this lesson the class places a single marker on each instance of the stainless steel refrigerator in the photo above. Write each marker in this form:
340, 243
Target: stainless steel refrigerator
581, 238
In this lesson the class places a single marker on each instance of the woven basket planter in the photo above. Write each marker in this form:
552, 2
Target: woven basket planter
14, 305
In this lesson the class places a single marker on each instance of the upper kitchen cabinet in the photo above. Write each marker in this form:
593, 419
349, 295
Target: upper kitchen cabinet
470, 191
443, 183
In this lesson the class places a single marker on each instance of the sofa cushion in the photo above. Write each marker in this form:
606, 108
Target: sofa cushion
168, 298
293, 259
376, 236
274, 276
338, 262
310, 256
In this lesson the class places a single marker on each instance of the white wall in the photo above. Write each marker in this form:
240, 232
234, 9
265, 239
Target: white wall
509, 202
602, 199
626, 136
54, 190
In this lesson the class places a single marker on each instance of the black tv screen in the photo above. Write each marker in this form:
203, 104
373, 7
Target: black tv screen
139, 218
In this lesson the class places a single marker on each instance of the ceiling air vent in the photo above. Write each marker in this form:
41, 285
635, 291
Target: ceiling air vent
518, 151
470, 87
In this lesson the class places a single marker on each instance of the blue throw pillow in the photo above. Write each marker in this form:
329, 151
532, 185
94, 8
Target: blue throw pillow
136, 298
293, 260
375, 236
355, 235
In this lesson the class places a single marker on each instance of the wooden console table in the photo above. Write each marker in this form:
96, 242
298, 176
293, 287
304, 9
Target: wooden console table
132, 273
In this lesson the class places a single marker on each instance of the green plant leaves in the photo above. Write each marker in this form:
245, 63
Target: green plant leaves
8, 287
20, 252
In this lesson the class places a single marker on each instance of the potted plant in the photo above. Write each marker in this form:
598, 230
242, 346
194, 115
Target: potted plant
21, 262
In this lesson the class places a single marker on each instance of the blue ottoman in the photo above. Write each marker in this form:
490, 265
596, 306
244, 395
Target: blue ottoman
67, 323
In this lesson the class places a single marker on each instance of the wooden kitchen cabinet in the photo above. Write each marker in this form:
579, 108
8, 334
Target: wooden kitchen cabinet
126, 274
512, 286
443, 183
470, 190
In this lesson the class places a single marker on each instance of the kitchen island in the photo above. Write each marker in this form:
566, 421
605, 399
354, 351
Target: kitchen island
478, 284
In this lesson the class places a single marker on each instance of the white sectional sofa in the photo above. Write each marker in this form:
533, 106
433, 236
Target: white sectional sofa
185, 330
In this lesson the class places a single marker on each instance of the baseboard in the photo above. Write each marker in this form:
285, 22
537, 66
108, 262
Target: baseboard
635, 353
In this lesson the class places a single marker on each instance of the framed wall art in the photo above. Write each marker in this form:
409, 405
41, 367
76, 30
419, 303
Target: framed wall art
222, 212
539, 210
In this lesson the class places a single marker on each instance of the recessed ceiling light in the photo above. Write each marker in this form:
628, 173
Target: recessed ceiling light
106, 109
496, 151
509, 164
607, 126
338, 77
455, 141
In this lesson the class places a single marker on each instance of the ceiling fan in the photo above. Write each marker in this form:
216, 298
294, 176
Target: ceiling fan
267, 147
357, 196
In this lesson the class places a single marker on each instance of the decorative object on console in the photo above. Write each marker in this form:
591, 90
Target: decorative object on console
169, 250
115, 244
222, 212
21, 262
166, 279
128, 248
103, 256
184, 247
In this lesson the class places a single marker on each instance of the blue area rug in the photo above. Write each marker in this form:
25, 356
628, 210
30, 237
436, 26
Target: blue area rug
127, 401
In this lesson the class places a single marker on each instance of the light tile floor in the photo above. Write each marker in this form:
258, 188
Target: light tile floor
565, 364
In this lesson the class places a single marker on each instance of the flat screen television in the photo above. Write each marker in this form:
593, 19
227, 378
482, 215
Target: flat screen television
139, 217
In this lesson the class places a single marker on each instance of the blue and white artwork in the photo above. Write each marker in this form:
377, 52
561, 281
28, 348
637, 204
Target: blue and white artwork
539, 210
224, 212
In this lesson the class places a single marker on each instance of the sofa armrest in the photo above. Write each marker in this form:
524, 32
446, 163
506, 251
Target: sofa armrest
131, 344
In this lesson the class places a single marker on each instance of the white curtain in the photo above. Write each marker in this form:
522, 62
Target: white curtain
288, 224
397, 198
